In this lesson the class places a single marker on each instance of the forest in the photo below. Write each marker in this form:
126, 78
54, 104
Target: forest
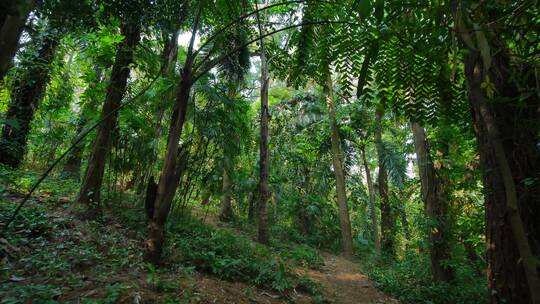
270, 151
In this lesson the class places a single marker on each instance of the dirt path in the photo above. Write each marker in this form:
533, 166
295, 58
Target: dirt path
344, 284
340, 279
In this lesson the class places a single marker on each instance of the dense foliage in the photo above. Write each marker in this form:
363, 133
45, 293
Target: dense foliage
403, 135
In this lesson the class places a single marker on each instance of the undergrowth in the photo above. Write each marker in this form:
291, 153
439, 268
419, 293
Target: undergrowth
409, 279
45, 257
236, 258
48, 256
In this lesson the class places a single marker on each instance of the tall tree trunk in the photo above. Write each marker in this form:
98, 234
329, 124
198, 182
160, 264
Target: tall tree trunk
169, 178
171, 171
506, 123
372, 207
337, 161
387, 212
13, 15
509, 157
226, 212
263, 147
91, 186
435, 207
25, 98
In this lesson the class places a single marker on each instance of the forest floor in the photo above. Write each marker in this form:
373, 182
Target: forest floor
339, 278
53, 256
341, 281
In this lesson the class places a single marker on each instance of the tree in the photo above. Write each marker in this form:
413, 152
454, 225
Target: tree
170, 175
337, 161
387, 212
13, 15
506, 122
263, 145
89, 194
372, 206
27, 93
436, 206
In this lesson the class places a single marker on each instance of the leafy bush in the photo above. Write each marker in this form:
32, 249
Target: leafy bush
301, 255
231, 257
410, 280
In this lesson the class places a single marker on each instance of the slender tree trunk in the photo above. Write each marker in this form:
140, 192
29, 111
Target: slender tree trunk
372, 207
387, 214
13, 15
337, 161
263, 148
169, 178
91, 186
226, 212
26, 95
169, 55
435, 206
171, 171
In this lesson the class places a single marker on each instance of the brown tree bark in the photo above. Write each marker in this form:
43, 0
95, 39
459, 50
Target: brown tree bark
337, 161
372, 206
435, 207
89, 194
170, 176
175, 161
506, 124
509, 229
25, 98
507, 135
13, 15
387, 213
226, 212
264, 194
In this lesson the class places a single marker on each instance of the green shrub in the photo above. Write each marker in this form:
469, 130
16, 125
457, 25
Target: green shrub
409, 279
300, 255
229, 256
